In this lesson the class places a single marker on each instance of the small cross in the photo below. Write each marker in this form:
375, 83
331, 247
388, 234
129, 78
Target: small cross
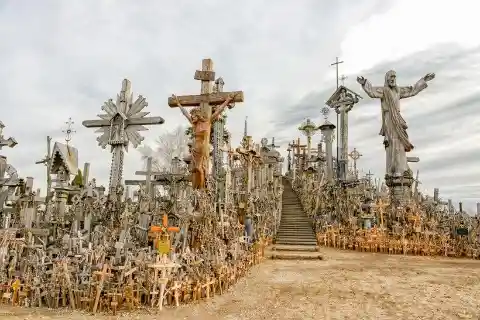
369, 175
355, 155
69, 131
336, 63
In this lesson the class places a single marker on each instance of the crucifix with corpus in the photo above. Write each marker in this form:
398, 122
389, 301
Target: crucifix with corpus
202, 117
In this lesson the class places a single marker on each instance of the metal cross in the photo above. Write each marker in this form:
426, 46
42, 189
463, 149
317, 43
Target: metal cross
355, 155
69, 131
336, 63
325, 111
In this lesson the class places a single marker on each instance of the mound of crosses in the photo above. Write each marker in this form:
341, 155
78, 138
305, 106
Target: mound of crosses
98, 249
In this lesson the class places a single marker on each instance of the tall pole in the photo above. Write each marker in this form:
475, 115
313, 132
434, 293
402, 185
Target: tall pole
336, 63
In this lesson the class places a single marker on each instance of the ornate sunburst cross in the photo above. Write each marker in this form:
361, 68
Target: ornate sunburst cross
119, 126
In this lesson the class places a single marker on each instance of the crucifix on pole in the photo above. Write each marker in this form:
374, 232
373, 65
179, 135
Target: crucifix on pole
119, 126
336, 63
202, 117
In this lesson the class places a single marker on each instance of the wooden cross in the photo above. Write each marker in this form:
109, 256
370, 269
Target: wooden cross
119, 126
380, 206
369, 176
103, 274
250, 156
207, 285
148, 178
176, 292
164, 266
201, 121
159, 234
10, 142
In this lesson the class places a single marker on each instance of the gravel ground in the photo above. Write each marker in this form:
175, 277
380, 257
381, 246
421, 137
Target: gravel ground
347, 285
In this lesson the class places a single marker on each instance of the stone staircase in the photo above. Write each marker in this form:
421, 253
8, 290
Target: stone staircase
295, 238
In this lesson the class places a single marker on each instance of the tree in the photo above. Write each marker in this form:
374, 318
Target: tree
78, 180
170, 144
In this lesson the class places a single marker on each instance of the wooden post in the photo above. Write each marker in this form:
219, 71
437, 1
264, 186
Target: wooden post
102, 274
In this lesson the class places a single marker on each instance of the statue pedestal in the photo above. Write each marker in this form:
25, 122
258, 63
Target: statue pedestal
400, 188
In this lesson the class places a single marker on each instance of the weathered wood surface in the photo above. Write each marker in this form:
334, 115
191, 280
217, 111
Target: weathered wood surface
213, 99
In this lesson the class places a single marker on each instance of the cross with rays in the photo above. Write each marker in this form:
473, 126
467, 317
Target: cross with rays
69, 131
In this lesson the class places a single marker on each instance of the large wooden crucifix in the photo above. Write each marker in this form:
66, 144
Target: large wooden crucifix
119, 126
201, 117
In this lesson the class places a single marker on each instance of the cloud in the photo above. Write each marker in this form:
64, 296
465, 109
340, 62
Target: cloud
442, 120
64, 59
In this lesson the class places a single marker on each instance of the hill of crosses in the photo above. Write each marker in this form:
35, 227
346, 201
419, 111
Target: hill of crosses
190, 233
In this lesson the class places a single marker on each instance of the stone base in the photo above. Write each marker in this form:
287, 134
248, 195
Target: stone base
400, 188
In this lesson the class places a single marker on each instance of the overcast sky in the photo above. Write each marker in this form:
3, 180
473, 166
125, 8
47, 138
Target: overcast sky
62, 59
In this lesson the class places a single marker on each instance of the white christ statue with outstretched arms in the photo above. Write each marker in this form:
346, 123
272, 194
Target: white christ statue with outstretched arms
394, 127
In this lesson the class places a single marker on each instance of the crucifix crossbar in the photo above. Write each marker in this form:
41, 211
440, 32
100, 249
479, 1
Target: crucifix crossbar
206, 97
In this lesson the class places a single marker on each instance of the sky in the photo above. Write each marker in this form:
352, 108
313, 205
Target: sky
62, 59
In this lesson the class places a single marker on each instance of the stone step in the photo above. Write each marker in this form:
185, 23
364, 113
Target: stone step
296, 235
294, 223
295, 248
290, 227
295, 217
295, 227
296, 238
297, 242
296, 256
296, 232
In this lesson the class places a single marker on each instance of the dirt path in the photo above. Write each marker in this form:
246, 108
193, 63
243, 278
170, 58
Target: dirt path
347, 285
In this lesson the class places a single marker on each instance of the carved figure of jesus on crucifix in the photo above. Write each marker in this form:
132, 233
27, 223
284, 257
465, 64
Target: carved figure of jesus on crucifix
202, 118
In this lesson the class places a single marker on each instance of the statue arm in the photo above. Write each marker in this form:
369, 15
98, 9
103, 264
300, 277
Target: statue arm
182, 108
371, 91
410, 91
185, 113
220, 108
